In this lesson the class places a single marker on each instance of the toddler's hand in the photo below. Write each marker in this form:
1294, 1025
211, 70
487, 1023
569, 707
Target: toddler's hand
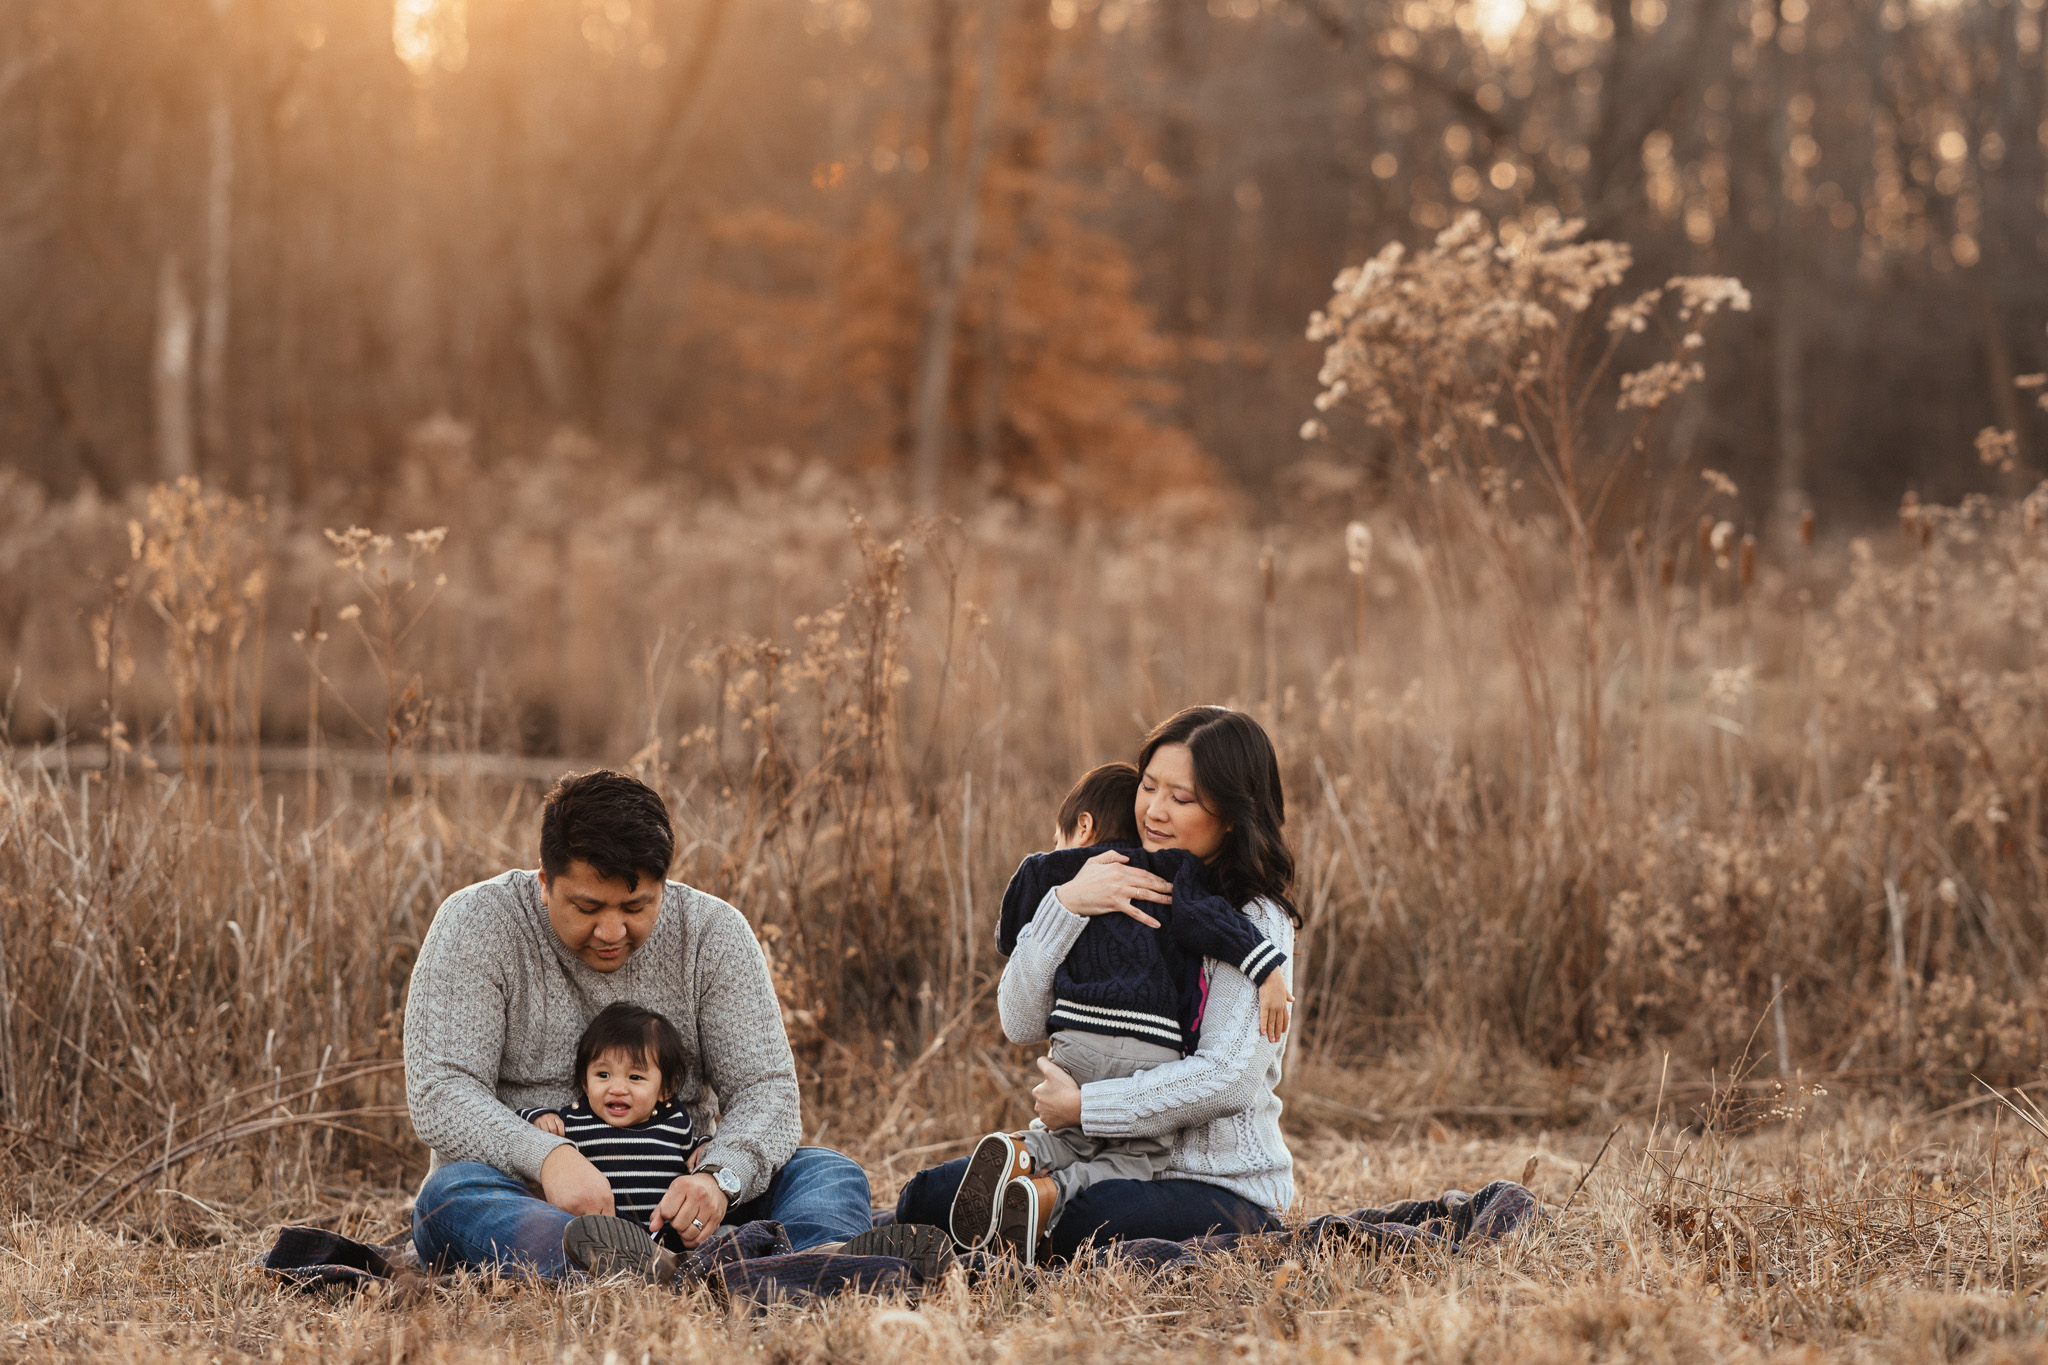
552, 1123
1274, 998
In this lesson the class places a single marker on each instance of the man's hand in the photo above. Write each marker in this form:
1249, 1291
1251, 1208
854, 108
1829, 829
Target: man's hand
1057, 1097
550, 1123
571, 1183
1274, 998
694, 1206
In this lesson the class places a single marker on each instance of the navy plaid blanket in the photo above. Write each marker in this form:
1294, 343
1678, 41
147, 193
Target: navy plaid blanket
754, 1262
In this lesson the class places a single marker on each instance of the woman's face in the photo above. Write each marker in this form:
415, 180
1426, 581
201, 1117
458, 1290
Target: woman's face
1170, 814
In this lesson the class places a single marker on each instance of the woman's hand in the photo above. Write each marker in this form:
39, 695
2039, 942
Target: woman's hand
1057, 1097
1107, 884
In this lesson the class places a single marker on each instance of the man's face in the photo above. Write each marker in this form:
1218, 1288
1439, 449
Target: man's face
600, 919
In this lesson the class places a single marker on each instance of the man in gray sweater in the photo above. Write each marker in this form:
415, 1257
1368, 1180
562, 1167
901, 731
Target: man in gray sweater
512, 970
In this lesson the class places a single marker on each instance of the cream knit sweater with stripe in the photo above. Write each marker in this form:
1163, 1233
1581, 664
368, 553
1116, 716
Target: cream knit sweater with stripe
1217, 1106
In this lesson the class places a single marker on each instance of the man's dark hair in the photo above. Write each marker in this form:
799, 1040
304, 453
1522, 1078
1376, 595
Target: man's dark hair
1109, 796
617, 824
646, 1037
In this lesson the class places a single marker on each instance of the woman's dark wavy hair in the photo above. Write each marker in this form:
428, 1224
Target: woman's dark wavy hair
1237, 776
646, 1037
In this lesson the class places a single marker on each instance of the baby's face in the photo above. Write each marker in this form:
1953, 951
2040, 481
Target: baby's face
622, 1092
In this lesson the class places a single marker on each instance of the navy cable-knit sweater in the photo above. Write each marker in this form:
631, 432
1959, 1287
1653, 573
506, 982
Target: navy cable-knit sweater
1124, 978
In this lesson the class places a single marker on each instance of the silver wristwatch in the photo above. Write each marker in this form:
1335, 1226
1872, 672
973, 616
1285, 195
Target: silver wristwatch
728, 1181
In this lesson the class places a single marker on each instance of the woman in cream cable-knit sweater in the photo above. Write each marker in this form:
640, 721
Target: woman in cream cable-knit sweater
1211, 785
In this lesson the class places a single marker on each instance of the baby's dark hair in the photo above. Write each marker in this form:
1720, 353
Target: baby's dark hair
648, 1038
1109, 796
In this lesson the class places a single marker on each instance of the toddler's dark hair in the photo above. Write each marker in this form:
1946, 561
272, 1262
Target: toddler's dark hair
648, 1038
1109, 795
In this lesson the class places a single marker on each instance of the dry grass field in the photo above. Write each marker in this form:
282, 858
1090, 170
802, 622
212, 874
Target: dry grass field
1848, 1232
1771, 812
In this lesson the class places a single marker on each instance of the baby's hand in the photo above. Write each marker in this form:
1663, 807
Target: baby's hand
1274, 998
552, 1123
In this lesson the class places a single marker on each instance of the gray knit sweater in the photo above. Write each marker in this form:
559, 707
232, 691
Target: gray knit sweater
1216, 1107
498, 1002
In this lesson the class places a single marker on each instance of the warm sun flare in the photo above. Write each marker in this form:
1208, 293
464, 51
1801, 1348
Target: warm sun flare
426, 33
1497, 20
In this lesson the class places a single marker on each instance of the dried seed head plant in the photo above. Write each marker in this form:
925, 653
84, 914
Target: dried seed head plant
387, 580
1479, 360
199, 553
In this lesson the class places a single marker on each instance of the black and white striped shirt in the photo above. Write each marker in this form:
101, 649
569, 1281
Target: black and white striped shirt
640, 1162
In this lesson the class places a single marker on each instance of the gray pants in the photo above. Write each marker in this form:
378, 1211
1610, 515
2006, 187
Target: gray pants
1075, 1160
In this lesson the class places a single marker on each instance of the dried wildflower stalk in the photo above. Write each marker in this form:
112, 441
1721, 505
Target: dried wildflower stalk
387, 579
200, 557
826, 771
1481, 361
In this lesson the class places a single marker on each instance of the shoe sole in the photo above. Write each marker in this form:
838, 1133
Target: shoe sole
1017, 1221
928, 1249
605, 1246
972, 1219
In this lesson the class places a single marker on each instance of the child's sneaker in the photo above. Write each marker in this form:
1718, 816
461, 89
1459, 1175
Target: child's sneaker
998, 1159
1025, 1216
928, 1249
604, 1246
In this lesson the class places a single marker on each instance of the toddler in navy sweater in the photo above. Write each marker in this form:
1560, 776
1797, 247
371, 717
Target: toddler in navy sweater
624, 1117
1127, 997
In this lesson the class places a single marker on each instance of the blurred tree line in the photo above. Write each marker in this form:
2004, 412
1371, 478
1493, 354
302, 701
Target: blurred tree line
1053, 249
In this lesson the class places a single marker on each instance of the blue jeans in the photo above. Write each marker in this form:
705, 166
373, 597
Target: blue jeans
470, 1214
1109, 1211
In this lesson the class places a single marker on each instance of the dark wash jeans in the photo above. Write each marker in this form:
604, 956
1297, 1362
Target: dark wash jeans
1110, 1211
470, 1214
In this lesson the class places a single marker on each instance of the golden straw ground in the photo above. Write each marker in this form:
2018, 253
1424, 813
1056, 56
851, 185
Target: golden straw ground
1852, 1231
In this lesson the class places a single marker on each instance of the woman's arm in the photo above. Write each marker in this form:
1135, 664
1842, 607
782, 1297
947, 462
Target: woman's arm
1024, 995
1226, 1074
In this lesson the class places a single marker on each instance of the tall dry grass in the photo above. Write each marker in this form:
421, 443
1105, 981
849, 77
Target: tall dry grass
1819, 791
1579, 772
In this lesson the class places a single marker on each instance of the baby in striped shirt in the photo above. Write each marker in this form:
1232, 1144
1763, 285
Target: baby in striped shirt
624, 1117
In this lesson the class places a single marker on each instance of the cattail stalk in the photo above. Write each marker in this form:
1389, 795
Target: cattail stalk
1268, 577
1358, 558
312, 640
